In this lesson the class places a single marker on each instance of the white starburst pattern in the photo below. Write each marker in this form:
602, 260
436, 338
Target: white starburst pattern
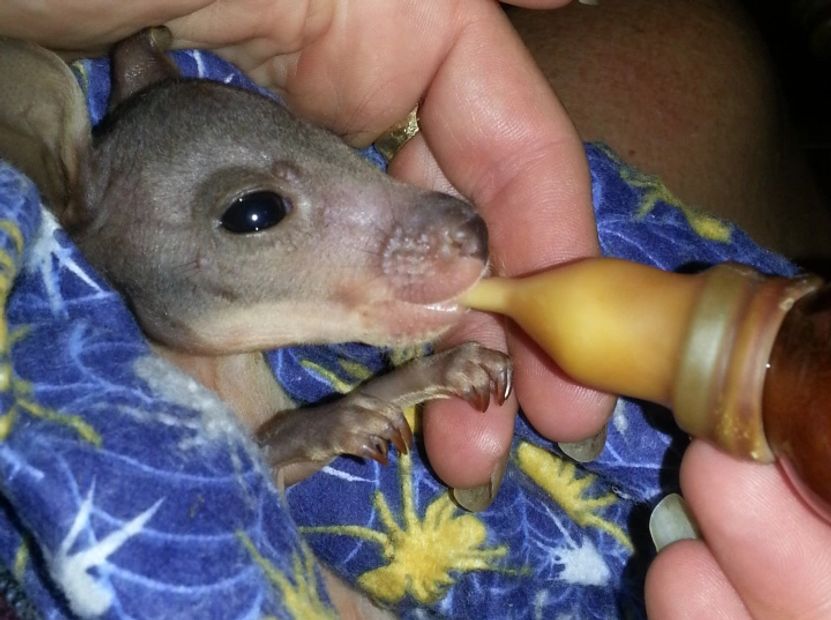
89, 596
583, 564
45, 252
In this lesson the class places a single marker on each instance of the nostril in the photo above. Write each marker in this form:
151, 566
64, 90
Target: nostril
471, 238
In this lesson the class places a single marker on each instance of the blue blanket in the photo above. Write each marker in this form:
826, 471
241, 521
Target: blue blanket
129, 492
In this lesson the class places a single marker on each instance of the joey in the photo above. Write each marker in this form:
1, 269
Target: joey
232, 227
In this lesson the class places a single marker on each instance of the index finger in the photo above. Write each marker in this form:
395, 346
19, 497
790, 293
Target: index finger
503, 140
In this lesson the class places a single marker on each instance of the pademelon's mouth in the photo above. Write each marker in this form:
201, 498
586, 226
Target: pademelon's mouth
379, 317
397, 325
438, 283
406, 321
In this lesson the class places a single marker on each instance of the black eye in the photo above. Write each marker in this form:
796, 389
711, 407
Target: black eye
255, 212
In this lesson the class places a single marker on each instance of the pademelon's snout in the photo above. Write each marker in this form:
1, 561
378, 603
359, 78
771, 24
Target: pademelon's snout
459, 230
471, 237
437, 251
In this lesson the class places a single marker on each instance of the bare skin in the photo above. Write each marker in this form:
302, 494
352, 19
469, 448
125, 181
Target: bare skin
477, 123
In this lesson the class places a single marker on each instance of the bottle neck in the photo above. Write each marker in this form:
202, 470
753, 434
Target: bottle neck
717, 392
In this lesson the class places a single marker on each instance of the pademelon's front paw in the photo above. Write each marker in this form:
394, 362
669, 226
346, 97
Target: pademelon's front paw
358, 424
474, 372
364, 425
364, 422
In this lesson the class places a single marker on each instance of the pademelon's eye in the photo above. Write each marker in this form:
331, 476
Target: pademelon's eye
254, 212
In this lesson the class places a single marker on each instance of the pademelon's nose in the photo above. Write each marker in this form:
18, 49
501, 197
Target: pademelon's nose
436, 251
471, 237
465, 233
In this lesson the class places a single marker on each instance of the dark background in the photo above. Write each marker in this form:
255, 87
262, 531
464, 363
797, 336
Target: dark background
798, 33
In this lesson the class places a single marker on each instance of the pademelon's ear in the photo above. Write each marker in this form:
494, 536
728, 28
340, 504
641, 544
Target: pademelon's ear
139, 61
44, 127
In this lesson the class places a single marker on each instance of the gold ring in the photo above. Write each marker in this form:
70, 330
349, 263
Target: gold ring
393, 140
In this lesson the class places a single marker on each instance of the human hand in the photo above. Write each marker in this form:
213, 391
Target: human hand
765, 553
490, 128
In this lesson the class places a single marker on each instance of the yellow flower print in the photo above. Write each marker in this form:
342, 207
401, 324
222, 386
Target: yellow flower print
299, 594
21, 391
558, 477
422, 554
654, 192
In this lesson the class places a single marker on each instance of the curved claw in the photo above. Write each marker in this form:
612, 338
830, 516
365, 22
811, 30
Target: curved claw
383, 447
378, 453
484, 399
398, 441
478, 399
505, 384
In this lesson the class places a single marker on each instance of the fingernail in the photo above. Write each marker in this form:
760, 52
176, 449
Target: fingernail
587, 449
477, 499
671, 520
